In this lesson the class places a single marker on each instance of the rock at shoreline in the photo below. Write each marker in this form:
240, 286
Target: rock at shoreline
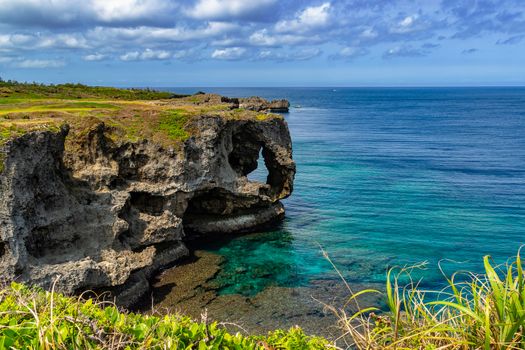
87, 210
259, 104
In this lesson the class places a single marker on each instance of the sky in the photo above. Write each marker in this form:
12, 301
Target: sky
166, 43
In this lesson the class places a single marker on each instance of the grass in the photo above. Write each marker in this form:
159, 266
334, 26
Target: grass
475, 311
133, 114
31, 318
172, 122
13, 90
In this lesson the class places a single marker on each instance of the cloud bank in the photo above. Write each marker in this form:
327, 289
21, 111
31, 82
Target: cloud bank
53, 33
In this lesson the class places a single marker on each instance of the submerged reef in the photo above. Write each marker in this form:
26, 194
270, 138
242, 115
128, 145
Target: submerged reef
100, 195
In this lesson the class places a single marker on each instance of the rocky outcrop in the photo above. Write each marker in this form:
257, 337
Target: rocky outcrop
260, 104
90, 212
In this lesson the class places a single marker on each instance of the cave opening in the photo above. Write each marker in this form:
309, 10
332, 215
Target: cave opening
251, 158
3, 248
260, 173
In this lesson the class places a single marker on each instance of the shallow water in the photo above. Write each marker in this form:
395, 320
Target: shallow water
388, 177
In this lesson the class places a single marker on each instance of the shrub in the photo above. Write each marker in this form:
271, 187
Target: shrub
31, 318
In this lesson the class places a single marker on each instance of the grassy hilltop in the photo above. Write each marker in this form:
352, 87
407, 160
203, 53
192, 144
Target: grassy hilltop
161, 117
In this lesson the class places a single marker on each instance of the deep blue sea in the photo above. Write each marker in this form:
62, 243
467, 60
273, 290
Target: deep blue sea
389, 176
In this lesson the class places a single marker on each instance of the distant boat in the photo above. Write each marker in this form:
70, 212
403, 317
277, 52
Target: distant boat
334, 90
297, 106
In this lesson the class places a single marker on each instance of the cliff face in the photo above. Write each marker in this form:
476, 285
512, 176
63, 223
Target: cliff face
87, 211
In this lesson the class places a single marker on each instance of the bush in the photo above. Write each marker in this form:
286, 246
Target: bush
31, 318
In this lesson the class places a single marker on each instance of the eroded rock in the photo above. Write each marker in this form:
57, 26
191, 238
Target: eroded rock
89, 212
260, 104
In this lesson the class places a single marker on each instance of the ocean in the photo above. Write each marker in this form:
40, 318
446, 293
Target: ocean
387, 177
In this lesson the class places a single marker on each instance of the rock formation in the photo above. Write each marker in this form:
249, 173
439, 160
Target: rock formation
260, 104
92, 212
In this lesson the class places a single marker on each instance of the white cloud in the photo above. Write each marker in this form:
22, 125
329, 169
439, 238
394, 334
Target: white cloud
295, 55
188, 55
66, 41
146, 55
5, 59
39, 64
42, 41
129, 10
369, 33
149, 54
309, 18
263, 38
146, 34
62, 13
407, 25
223, 9
230, 53
350, 52
94, 57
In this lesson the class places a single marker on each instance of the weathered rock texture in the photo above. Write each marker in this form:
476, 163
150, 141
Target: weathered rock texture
86, 212
260, 104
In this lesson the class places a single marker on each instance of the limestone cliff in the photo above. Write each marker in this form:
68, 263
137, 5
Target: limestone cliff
89, 210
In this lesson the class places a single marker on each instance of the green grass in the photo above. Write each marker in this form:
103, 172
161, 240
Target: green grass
476, 311
58, 107
31, 318
15, 91
172, 123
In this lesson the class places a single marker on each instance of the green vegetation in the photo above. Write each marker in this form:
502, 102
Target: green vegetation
484, 311
56, 107
474, 312
34, 319
172, 122
16, 91
132, 113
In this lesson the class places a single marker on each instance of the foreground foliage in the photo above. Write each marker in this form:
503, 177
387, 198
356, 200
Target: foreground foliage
484, 311
34, 319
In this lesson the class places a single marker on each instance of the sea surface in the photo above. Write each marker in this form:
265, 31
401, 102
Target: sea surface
386, 177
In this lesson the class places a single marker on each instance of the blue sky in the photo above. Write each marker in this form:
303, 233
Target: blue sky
264, 42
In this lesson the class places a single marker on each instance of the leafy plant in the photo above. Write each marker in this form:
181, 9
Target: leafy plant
31, 318
485, 311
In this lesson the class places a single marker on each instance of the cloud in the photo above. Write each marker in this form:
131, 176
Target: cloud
264, 38
40, 41
142, 11
65, 13
5, 59
146, 55
405, 25
147, 35
430, 46
64, 41
469, 51
368, 33
230, 53
350, 53
39, 64
277, 30
516, 39
306, 20
473, 18
94, 57
231, 9
404, 51
296, 55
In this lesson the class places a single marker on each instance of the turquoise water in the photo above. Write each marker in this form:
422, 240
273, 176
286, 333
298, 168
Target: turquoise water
390, 177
